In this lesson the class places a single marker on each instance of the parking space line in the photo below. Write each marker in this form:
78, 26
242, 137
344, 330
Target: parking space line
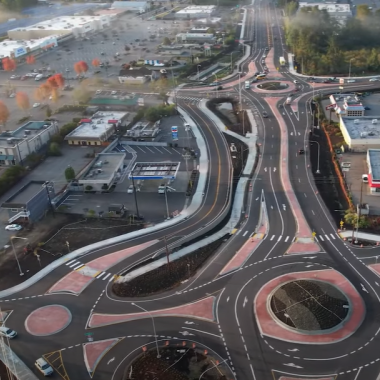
150, 150
137, 147
167, 150
158, 150
176, 151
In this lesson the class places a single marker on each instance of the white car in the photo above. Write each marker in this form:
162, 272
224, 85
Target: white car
98, 92
130, 189
9, 333
67, 70
36, 105
13, 227
295, 81
374, 80
351, 81
43, 367
113, 92
12, 95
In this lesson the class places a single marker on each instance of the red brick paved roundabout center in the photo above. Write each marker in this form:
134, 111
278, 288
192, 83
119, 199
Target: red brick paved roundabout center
48, 320
300, 307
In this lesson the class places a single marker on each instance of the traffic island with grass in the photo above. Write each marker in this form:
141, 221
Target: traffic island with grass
176, 363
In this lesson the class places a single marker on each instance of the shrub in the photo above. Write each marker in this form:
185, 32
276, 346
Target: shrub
24, 119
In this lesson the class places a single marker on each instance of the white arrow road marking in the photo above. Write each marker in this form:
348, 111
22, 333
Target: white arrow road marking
228, 298
377, 284
245, 301
292, 365
284, 207
299, 134
185, 333
110, 361
291, 133
265, 170
257, 199
274, 169
364, 289
271, 207
189, 323
293, 350
308, 266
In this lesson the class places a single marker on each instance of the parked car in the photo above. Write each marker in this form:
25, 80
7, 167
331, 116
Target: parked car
36, 105
44, 367
7, 332
367, 108
98, 92
351, 81
130, 189
301, 151
374, 80
13, 227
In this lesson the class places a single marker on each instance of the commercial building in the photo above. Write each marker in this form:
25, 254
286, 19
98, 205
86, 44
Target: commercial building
105, 170
131, 6
196, 11
63, 27
373, 162
136, 75
340, 12
31, 202
361, 134
18, 49
347, 105
195, 38
97, 129
144, 129
16, 145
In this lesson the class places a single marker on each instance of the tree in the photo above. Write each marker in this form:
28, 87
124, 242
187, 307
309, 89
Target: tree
42, 92
81, 95
69, 174
95, 62
166, 41
56, 81
363, 12
48, 112
30, 59
126, 66
55, 95
80, 67
54, 150
4, 113
22, 100
9, 64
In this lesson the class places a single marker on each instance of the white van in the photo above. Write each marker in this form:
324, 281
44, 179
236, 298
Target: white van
38, 77
161, 189
247, 85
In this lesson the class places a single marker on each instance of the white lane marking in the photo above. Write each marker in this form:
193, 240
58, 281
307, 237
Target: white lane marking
245, 233
312, 212
286, 239
272, 238
79, 266
321, 237
237, 233
327, 237
333, 237
105, 278
75, 264
279, 238
101, 275
70, 262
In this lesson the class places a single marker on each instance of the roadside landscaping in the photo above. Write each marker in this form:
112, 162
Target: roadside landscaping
175, 363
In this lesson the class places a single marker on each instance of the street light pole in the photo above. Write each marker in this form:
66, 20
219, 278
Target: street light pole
166, 201
134, 192
154, 327
216, 80
319, 152
240, 90
14, 252
349, 69
198, 66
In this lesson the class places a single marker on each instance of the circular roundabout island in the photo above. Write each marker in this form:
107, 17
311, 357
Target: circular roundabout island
273, 86
309, 306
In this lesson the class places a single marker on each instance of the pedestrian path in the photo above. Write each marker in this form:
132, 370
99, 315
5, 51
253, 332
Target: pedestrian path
191, 98
78, 266
288, 239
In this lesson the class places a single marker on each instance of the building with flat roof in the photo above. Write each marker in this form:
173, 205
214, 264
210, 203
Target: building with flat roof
362, 133
136, 75
340, 12
348, 105
16, 145
97, 129
195, 37
196, 11
77, 26
131, 6
373, 162
104, 171
31, 202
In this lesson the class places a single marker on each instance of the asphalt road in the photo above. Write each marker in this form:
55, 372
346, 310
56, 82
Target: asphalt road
235, 335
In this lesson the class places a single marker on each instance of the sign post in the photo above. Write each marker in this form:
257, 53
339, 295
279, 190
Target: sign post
175, 133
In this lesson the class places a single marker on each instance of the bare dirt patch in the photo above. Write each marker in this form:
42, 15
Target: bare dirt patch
49, 239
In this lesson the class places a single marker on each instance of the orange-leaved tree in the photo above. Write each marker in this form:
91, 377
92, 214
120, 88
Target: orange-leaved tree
22, 100
9, 64
4, 113
42, 92
80, 67
56, 81
54, 94
95, 62
30, 59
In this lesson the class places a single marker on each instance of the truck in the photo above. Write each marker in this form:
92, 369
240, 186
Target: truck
282, 61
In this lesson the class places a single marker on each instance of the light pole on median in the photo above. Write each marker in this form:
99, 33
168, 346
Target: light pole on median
154, 327
198, 66
319, 152
14, 252
217, 85
240, 90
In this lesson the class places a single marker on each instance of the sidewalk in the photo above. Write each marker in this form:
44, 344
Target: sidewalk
360, 235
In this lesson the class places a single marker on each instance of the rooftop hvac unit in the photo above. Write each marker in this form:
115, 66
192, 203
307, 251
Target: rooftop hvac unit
374, 121
99, 122
356, 121
93, 126
27, 131
10, 141
363, 134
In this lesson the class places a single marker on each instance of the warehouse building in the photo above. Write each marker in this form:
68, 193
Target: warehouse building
196, 11
98, 129
340, 12
63, 27
361, 134
16, 145
195, 38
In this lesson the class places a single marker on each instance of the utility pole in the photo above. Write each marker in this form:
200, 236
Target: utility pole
134, 192
359, 209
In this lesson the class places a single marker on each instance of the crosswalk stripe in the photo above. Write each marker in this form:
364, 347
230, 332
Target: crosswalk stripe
79, 266
70, 262
286, 239
75, 264
327, 237
316, 239
101, 275
333, 237
279, 238
272, 238
105, 278
321, 237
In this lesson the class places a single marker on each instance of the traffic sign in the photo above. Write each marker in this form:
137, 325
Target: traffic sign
341, 223
314, 233
89, 333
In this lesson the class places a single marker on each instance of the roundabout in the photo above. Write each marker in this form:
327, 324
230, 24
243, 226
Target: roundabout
273, 86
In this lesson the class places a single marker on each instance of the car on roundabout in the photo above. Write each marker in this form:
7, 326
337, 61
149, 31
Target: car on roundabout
13, 227
374, 80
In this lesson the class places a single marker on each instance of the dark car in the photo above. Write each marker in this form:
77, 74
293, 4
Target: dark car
367, 108
301, 151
